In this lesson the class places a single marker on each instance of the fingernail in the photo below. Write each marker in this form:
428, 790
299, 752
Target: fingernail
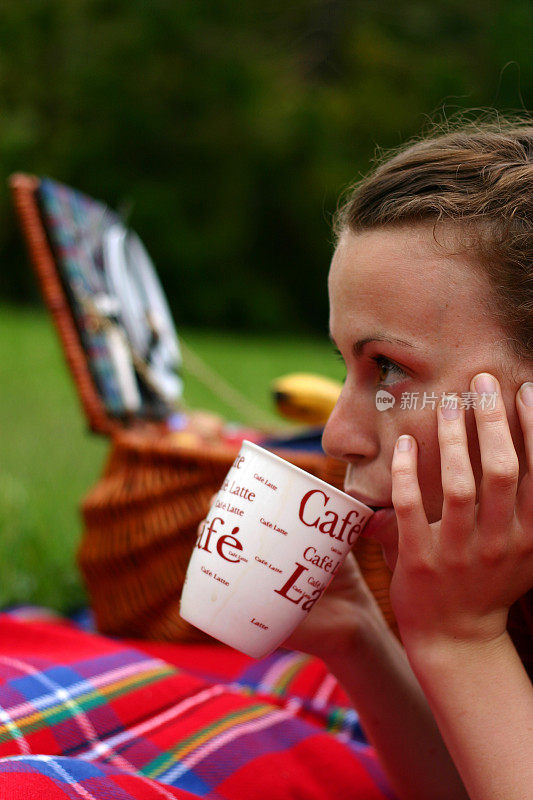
526, 393
450, 411
404, 443
485, 384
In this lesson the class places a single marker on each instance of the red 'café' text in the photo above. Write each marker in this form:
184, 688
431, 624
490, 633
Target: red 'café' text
311, 506
226, 540
330, 520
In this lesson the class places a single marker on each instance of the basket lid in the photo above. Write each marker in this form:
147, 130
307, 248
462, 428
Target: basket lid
115, 301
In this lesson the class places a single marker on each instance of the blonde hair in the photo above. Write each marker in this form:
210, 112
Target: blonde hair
478, 173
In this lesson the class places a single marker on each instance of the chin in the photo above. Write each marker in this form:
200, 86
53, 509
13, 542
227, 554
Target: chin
390, 554
387, 536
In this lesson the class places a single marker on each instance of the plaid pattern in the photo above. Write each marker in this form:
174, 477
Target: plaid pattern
76, 224
83, 716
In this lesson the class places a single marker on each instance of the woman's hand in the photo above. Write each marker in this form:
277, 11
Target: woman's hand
346, 610
456, 578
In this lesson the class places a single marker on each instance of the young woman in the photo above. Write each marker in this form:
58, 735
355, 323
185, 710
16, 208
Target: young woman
431, 289
431, 300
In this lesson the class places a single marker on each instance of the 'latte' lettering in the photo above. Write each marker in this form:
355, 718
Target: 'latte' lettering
289, 584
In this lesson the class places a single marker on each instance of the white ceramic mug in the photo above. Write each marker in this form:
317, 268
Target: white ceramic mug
272, 541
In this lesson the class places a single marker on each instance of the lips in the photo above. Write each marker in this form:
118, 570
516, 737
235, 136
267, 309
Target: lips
381, 516
375, 505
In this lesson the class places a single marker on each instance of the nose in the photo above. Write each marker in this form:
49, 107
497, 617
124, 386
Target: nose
349, 434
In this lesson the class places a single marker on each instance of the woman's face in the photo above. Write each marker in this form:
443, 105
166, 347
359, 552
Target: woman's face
397, 284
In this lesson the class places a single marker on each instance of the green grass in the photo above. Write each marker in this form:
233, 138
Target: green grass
48, 459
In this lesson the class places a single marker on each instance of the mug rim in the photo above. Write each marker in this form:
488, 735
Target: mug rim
308, 475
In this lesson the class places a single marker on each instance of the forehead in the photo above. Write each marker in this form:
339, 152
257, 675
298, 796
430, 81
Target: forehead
399, 281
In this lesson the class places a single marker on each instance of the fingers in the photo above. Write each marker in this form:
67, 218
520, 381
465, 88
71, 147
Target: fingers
406, 496
524, 406
499, 461
493, 519
458, 483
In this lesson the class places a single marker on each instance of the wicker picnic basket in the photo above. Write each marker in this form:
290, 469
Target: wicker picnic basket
140, 520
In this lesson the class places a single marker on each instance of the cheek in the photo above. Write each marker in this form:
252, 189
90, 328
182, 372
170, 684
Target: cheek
429, 468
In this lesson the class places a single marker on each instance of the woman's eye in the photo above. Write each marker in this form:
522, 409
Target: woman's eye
385, 366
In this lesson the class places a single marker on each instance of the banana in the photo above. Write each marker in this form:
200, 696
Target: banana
305, 397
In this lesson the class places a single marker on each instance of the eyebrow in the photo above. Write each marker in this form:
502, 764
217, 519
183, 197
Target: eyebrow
359, 344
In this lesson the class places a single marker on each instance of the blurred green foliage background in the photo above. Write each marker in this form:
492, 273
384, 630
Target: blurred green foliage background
225, 130
229, 128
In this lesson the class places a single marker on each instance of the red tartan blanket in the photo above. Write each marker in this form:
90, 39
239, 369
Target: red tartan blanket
84, 716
